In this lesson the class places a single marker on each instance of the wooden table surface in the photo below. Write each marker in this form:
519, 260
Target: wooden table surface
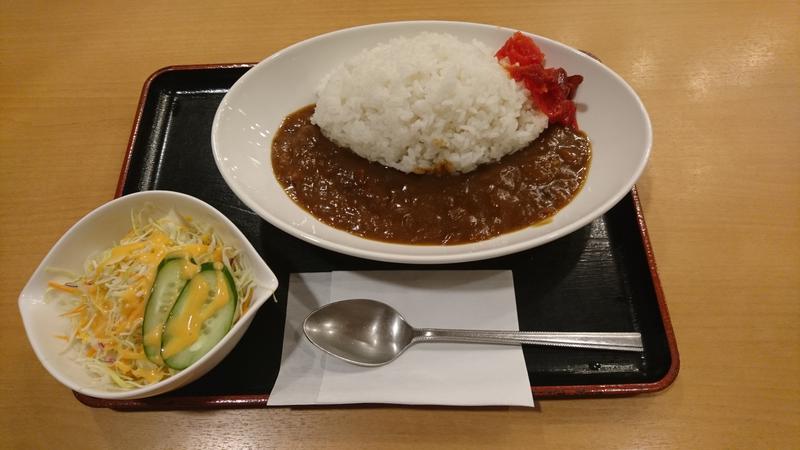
721, 195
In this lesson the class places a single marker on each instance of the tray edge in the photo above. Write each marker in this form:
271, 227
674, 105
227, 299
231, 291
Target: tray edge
123, 173
596, 390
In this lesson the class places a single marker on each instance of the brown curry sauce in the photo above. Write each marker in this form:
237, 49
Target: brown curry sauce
376, 202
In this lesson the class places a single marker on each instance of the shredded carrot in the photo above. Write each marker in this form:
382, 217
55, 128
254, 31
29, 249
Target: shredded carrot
98, 304
136, 312
64, 287
127, 354
124, 368
76, 310
218, 254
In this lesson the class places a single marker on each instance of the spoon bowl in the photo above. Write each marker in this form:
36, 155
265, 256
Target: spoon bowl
370, 333
359, 331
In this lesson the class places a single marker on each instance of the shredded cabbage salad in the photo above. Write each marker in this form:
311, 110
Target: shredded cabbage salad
106, 303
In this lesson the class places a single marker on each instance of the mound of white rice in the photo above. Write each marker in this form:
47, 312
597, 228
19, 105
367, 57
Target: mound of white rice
424, 103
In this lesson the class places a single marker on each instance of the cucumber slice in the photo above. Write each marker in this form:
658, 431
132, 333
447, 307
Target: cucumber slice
194, 326
170, 281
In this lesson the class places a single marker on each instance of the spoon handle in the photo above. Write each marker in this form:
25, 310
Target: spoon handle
631, 342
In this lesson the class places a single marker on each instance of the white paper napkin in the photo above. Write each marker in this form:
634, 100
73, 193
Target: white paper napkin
433, 374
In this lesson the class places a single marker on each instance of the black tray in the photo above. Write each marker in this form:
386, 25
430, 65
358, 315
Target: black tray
599, 278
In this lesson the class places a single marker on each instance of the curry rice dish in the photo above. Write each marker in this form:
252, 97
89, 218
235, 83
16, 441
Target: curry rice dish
444, 192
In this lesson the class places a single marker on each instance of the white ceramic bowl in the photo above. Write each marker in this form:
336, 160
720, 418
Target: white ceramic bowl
98, 231
609, 112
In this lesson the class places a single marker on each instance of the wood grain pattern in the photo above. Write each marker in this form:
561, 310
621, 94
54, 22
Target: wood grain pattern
720, 194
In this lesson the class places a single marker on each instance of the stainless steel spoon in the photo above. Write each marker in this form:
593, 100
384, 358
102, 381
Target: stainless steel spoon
371, 333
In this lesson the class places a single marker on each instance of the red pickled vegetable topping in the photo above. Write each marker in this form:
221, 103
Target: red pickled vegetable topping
520, 49
551, 89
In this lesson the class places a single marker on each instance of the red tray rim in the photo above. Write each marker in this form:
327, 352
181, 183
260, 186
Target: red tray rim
260, 400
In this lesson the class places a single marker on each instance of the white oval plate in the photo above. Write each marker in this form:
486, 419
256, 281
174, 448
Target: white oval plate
98, 230
610, 113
